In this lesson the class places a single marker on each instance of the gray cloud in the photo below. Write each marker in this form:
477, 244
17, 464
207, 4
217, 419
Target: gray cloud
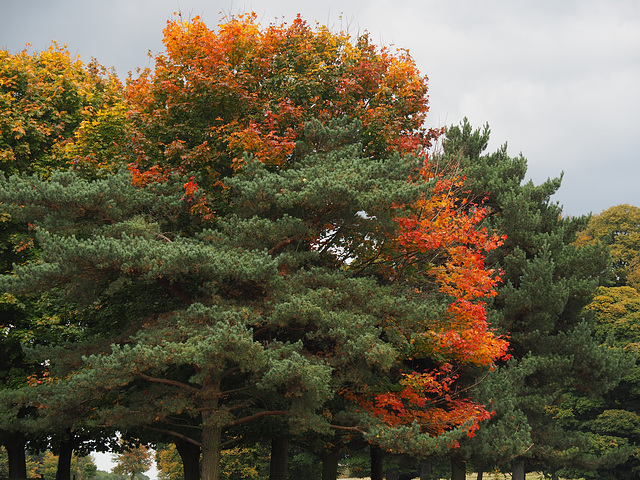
556, 80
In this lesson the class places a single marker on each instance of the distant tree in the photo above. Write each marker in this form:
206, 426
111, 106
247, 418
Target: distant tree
619, 228
89, 470
134, 460
48, 466
168, 462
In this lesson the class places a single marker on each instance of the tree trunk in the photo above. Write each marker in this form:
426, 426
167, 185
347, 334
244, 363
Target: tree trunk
211, 439
426, 470
376, 462
190, 455
330, 465
554, 476
279, 458
14, 444
64, 458
518, 469
458, 469
480, 475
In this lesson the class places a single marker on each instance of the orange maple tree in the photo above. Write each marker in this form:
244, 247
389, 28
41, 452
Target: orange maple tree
215, 96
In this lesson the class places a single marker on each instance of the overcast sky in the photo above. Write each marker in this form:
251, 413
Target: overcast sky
558, 80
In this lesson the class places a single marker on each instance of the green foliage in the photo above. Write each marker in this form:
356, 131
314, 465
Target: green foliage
548, 279
225, 317
303, 464
89, 470
102, 475
52, 114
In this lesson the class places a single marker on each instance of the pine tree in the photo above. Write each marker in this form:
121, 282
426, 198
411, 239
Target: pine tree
257, 315
547, 281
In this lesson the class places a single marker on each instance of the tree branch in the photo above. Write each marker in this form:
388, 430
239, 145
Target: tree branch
174, 434
250, 418
347, 429
166, 381
283, 243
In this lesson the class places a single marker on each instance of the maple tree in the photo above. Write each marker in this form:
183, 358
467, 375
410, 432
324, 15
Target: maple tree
45, 98
218, 95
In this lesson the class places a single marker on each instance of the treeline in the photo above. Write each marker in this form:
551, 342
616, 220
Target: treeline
258, 247
44, 465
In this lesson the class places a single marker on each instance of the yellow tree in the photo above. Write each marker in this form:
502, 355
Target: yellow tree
619, 228
169, 462
45, 98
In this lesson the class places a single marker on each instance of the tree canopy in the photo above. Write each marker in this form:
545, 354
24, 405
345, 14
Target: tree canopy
279, 246
252, 243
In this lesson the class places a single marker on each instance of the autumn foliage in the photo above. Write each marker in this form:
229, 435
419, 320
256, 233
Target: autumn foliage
306, 153
216, 96
439, 251
49, 99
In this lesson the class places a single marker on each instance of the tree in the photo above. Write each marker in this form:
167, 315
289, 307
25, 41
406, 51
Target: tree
169, 463
619, 228
46, 98
133, 461
548, 279
617, 311
227, 300
216, 95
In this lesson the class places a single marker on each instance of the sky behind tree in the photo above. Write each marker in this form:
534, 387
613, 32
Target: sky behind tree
556, 80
